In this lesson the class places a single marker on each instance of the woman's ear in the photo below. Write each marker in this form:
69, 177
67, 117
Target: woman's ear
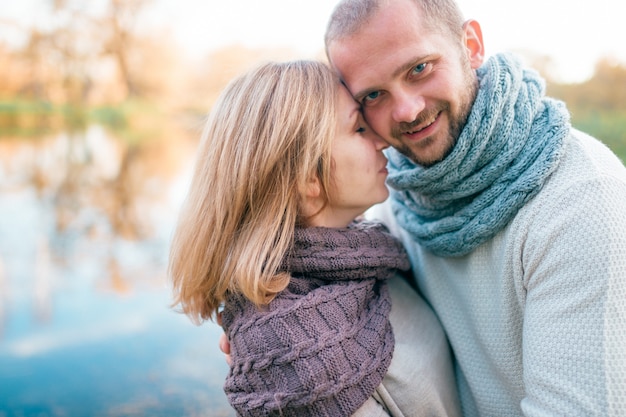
474, 45
313, 187
311, 201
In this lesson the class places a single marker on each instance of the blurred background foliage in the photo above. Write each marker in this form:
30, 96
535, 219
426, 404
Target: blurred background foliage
96, 67
598, 105
91, 66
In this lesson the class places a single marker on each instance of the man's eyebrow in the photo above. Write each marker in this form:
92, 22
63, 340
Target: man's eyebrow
402, 68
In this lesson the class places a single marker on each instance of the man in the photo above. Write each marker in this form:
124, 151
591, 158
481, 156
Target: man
514, 222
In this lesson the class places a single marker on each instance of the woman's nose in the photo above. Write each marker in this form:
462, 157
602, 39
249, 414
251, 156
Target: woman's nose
379, 142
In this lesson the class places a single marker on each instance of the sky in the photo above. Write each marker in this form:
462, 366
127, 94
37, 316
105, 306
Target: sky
575, 34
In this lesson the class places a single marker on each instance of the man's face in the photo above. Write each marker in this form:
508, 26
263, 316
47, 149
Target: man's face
416, 86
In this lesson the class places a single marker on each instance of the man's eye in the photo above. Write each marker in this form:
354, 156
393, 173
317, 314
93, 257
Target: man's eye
360, 129
371, 96
419, 68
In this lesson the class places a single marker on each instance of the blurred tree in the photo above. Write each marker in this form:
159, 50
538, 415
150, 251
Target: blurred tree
87, 52
59, 57
121, 40
13, 73
83, 62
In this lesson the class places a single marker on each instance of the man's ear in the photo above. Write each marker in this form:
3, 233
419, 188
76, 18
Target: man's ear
473, 39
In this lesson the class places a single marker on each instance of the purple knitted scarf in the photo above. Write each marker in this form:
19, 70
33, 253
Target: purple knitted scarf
324, 344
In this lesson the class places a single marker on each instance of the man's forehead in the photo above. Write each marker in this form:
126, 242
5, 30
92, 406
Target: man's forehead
363, 71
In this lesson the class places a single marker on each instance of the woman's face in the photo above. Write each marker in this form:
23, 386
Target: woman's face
359, 168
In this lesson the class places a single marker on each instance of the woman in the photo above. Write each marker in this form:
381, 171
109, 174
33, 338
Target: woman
268, 231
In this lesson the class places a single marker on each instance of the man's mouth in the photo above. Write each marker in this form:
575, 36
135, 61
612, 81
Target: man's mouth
424, 125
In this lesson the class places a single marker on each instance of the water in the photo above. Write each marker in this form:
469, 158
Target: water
85, 323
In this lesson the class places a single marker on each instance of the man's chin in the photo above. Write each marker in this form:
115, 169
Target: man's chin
429, 153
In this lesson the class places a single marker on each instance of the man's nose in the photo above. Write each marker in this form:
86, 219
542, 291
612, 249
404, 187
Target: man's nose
407, 105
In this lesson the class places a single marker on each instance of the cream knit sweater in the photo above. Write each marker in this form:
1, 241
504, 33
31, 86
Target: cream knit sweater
536, 316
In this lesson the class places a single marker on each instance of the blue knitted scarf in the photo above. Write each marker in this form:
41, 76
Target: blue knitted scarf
511, 143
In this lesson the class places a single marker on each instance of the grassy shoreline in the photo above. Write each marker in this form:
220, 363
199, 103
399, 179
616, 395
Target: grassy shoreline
22, 119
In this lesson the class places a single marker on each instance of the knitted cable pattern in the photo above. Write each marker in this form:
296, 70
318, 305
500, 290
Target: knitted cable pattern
511, 144
323, 345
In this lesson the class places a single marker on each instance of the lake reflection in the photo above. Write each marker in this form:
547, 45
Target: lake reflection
85, 327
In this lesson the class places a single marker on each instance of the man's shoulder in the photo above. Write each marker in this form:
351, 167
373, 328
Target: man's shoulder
590, 154
585, 160
588, 169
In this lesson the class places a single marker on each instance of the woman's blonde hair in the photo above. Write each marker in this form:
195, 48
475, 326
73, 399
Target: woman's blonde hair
269, 132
